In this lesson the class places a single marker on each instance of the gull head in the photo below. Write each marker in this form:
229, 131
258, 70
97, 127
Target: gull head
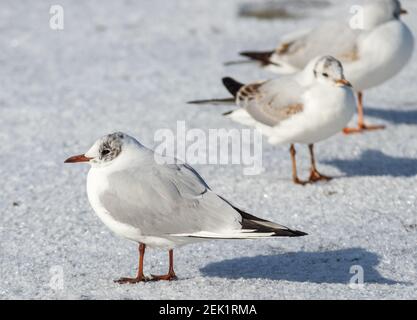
377, 12
329, 70
105, 150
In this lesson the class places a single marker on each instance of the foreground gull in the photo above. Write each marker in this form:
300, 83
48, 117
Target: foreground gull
372, 51
306, 108
159, 202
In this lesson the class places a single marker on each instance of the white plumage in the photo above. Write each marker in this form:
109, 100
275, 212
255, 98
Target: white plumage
324, 109
160, 201
374, 46
307, 107
371, 53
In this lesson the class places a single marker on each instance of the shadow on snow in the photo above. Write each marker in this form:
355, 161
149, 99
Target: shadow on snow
376, 163
393, 115
314, 267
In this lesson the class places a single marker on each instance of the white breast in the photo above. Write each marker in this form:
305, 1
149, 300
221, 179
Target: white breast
327, 110
382, 54
96, 184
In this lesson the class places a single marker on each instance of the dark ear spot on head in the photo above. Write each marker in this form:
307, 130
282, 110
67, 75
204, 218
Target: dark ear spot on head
111, 146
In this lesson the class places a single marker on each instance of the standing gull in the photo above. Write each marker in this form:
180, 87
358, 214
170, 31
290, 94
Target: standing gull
306, 108
157, 201
373, 48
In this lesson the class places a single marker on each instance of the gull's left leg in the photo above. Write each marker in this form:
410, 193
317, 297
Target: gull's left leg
171, 274
295, 178
140, 277
314, 174
361, 122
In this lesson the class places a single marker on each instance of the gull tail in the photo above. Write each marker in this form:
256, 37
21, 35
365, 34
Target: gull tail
263, 228
261, 56
252, 228
266, 228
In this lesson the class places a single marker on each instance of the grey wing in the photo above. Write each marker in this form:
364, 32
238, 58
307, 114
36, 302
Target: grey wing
333, 38
272, 101
167, 199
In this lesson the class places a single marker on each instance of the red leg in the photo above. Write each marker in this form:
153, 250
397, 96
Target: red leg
171, 274
314, 174
295, 178
140, 277
361, 123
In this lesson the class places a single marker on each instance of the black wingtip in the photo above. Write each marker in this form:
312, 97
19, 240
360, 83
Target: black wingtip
213, 101
232, 85
297, 233
261, 56
197, 101
288, 233
228, 113
251, 222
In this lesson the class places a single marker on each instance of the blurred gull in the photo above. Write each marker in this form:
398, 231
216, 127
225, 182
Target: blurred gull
310, 106
158, 202
373, 48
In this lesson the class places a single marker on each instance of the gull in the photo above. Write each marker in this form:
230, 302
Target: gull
305, 108
373, 48
158, 201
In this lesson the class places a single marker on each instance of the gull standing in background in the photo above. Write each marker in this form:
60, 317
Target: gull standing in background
157, 201
306, 108
372, 52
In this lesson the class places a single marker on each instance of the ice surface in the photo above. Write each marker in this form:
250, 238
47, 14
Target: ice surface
130, 66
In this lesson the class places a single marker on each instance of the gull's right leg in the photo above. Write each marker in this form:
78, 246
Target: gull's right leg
314, 174
171, 274
140, 277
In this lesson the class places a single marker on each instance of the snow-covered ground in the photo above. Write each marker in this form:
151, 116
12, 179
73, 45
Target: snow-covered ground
130, 66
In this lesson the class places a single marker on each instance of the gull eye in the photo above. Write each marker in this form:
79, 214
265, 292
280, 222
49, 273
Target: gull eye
105, 152
326, 75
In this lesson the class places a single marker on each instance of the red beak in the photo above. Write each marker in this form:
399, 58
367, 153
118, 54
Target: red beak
343, 82
79, 158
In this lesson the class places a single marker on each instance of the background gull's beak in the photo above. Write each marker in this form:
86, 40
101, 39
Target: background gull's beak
343, 82
79, 158
403, 11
